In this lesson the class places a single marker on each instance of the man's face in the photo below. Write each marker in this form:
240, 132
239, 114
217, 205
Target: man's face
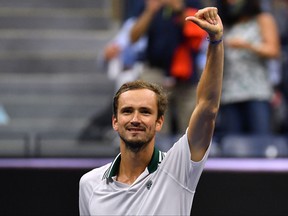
136, 121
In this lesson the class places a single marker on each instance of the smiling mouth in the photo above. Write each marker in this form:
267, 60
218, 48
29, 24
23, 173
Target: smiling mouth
136, 129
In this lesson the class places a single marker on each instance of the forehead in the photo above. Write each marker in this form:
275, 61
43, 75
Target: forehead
138, 97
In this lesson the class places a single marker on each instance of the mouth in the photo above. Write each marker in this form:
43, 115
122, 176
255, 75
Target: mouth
136, 129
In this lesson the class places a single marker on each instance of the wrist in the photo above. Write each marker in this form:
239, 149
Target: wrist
216, 36
215, 40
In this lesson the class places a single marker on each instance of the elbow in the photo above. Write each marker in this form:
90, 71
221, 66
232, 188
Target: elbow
210, 110
133, 37
276, 53
274, 50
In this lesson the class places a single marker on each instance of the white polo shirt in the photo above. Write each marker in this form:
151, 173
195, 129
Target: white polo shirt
166, 187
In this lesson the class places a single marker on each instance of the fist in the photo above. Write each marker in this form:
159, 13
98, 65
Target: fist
209, 20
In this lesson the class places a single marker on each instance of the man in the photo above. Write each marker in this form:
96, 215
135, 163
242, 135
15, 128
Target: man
142, 180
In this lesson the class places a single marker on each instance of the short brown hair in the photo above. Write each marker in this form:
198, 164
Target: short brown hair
162, 99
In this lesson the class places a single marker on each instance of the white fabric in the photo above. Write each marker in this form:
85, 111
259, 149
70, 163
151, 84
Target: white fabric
115, 65
120, 76
172, 188
245, 73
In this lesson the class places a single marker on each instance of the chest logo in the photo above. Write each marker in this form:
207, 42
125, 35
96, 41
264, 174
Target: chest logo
149, 184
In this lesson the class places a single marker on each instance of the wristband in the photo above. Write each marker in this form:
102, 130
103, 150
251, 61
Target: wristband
216, 41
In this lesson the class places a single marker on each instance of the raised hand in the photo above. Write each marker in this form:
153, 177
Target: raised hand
209, 20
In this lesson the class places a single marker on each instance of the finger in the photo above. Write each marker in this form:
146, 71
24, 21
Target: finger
214, 15
192, 19
208, 18
189, 18
210, 15
196, 20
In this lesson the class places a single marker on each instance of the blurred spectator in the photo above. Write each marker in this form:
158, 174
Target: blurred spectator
279, 8
129, 6
251, 39
122, 61
4, 118
170, 55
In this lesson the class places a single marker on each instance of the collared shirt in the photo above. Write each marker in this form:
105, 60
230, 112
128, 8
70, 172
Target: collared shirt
166, 186
112, 171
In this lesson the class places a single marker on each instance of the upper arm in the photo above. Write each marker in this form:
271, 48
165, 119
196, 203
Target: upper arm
269, 33
200, 131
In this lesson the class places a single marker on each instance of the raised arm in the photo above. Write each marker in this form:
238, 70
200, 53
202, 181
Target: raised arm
142, 23
202, 121
151, 8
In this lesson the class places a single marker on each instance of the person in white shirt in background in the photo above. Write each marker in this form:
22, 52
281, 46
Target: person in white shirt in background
122, 57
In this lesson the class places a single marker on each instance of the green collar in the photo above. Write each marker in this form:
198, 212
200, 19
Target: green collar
113, 169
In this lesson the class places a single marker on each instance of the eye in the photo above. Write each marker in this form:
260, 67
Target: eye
126, 110
146, 111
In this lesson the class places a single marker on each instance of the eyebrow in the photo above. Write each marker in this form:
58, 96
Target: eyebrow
132, 108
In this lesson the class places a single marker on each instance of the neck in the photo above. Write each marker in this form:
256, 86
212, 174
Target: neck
133, 164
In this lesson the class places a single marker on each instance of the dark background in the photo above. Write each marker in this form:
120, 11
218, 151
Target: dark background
35, 191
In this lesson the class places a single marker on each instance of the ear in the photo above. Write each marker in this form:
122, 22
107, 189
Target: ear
114, 122
159, 123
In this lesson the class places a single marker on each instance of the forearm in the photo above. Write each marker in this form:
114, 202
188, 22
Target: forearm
270, 46
265, 50
210, 84
141, 25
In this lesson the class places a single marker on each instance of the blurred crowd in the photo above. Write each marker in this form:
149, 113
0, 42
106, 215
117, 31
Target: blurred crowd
155, 44
270, 53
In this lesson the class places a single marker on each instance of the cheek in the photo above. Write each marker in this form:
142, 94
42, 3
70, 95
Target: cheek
152, 125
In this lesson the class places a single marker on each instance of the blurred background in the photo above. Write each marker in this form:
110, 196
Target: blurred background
55, 114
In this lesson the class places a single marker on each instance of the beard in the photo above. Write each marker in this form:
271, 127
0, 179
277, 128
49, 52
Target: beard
136, 145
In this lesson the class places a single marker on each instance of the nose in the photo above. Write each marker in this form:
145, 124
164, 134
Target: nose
136, 118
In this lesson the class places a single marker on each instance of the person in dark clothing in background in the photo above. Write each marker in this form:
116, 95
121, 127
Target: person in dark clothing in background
167, 35
171, 49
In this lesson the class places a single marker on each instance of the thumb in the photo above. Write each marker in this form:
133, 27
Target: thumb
195, 20
207, 26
